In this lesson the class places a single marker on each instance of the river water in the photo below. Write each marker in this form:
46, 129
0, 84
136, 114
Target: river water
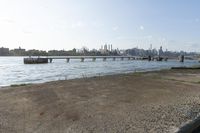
14, 71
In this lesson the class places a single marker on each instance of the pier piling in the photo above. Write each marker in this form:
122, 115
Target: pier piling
68, 60
93, 59
50, 60
132, 58
181, 58
149, 58
82, 59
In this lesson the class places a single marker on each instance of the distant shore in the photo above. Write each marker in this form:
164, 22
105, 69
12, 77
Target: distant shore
159, 101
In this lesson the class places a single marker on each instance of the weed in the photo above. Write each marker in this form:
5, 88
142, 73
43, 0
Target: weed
18, 85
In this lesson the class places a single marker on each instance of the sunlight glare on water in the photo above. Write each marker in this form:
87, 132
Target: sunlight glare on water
14, 71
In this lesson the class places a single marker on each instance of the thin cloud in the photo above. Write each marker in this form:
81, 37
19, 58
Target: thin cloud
97, 24
135, 37
141, 27
197, 20
172, 41
78, 24
27, 32
115, 28
149, 37
192, 44
8, 20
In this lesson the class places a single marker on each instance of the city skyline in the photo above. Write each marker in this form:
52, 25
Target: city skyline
106, 46
51, 24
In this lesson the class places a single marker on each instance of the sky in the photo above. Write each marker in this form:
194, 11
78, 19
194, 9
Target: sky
68, 24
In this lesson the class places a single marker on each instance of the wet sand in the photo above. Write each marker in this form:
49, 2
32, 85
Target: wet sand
151, 102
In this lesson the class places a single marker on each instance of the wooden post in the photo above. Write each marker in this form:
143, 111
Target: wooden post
82, 59
50, 60
129, 58
122, 58
181, 58
104, 59
68, 60
114, 58
149, 58
93, 59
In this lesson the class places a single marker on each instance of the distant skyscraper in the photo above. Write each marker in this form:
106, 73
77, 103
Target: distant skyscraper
105, 47
160, 51
150, 47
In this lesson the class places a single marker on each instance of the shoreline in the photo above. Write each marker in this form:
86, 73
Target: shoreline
48, 72
85, 76
158, 101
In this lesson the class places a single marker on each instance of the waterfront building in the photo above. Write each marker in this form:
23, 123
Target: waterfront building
4, 51
19, 51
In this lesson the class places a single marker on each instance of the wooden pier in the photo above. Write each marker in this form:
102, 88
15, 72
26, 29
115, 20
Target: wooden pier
38, 60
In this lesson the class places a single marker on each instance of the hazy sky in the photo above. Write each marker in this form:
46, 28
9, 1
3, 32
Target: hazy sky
67, 24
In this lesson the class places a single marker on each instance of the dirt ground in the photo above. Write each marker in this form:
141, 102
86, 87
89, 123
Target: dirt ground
150, 102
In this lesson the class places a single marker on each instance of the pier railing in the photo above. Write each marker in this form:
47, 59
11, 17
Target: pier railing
49, 59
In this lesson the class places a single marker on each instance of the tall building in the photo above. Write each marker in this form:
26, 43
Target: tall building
150, 47
101, 47
160, 51
105, 47
19, 51
4, 51
109, 47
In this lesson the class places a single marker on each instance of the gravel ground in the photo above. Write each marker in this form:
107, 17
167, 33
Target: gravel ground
151, 102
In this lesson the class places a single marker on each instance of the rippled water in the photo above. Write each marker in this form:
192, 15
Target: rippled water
13, 71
